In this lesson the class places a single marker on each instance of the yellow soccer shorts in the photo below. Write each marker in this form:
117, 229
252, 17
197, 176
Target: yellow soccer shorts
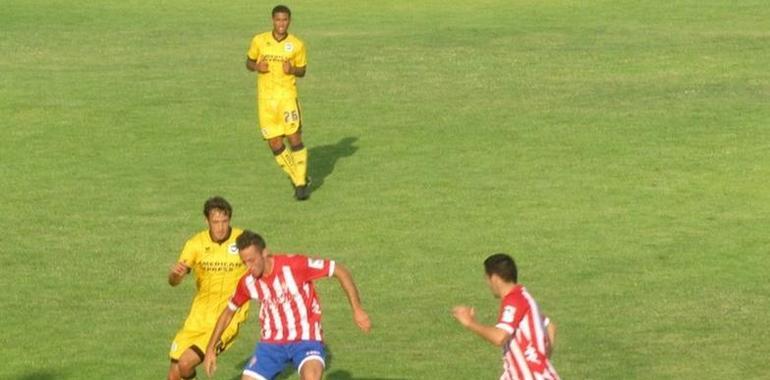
199, 340
279, 117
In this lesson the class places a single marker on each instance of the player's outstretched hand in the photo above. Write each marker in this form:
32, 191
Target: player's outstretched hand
262, 66
464, 314
210, 363
362, 320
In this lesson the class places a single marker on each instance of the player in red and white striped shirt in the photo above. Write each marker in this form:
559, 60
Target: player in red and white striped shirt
519, 330
290, 313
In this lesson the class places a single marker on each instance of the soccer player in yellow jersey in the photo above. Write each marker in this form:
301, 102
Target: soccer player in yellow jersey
279, 58
212, 255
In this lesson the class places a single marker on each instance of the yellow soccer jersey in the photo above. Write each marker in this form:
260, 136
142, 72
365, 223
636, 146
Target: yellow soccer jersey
217, 269
275, 84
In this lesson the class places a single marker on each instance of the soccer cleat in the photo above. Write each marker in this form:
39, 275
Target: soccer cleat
303, 192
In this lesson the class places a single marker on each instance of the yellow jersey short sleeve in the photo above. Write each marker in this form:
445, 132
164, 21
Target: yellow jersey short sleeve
300, 58
189, 254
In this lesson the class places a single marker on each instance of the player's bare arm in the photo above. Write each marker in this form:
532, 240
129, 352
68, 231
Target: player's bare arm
550, 329
210, 359
289, 69
177, 273
260, 66
345, 279
467, 317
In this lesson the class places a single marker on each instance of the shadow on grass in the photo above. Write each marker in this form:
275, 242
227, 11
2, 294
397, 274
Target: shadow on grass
345, 375
322, 159
42, 375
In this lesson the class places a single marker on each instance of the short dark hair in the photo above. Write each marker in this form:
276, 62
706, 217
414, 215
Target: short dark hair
217, 203
502, 265
281, 9
248, 238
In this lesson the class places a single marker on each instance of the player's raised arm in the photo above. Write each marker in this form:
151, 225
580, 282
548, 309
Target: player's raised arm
210, 359
177, 273
349, 286
467, 317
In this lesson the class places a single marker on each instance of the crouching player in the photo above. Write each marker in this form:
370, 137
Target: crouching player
289, 315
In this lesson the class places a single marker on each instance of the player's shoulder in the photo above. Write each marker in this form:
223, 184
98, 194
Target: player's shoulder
235, 232
293, 37
289, 257
515, 296
293, 260
295, 40
247, 279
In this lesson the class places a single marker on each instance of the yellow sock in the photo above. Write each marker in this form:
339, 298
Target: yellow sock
300, 166
286, 162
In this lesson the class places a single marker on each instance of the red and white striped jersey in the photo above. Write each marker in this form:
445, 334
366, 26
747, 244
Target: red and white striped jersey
289, 308
524, 356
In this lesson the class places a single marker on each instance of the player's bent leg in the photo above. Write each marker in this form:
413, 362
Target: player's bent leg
187, 363
173, 372
312, 368
276, 144
252, 376
309, 357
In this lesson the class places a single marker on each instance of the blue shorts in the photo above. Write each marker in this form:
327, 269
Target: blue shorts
269, 359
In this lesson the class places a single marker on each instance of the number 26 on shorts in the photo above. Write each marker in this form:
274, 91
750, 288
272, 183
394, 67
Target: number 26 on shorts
290, 116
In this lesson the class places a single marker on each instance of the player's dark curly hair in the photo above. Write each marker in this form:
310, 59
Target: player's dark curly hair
502, 265
217, 203
282, 9
248, 238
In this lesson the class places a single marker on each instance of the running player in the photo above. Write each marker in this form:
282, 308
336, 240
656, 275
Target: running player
213, 256
519, 329
279, 58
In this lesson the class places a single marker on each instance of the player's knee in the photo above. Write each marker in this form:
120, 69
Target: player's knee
173, 372
311, 370
186, 369
277, 148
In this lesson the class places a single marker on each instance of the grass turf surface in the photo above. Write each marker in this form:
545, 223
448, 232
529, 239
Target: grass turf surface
618, 150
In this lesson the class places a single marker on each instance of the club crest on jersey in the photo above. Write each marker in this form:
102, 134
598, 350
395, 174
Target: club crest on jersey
508, 313
232, 249
315, 263
289, 47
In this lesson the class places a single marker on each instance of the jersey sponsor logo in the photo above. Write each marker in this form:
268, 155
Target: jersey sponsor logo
273, 58
531, 355
315, 263
220, 266
232, 249
508, 313
289, 47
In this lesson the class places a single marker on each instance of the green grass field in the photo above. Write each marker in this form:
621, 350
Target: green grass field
618, 149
